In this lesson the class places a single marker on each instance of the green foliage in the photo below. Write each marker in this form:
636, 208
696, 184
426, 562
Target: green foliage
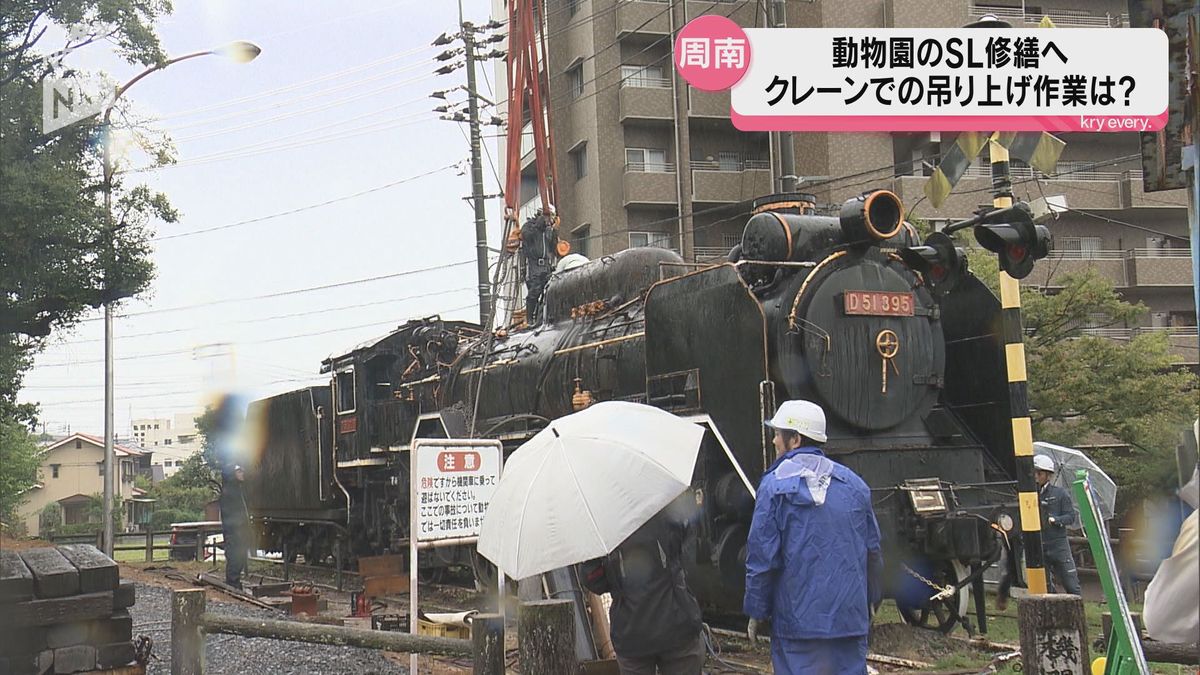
59, 253
1084, 388
162, 518
19, 461
194, 474
142, 482
50, 519
174, 496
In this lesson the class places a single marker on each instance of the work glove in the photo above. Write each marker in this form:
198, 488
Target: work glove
752, 631
1052, 520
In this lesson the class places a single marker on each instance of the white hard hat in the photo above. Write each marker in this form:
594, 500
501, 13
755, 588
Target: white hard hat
1043, 463
550, 209
570, 262
803, 417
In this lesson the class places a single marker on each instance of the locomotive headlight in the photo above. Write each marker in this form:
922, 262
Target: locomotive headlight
925, 495
1005, 522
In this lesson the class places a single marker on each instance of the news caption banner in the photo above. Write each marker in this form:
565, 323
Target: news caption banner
854, 79
452, 482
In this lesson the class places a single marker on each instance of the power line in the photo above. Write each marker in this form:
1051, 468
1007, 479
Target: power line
1114, 221
296, 291
299, 209
327, 310
297, 85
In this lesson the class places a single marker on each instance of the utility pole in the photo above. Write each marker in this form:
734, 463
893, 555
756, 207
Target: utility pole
683, 147
787, 148
477, 196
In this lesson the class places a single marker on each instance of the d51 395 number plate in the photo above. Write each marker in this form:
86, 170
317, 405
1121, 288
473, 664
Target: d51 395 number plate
877, 303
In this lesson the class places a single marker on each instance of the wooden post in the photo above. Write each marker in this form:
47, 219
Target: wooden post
149, 545
546, 632
200, 547
337, 560
296, 631
1053, 635
487, 634
287, 563
187, 634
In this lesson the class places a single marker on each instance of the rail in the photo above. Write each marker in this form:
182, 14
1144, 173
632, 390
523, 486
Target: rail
731, 166
645, 82
709, 253
1160, 253
1126, 333
1061, 17
1070, 170
649, 167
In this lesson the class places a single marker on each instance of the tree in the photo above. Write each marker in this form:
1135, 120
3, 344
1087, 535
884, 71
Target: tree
1084, 388
58, 254
194, 474
20, 458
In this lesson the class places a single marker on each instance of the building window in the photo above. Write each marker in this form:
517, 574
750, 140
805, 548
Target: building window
646, 159
100, 468
156, 427
729, 240
644, 76
579, 161
167, 442
573, 6
575, 80
1086, 248
78, 444
583, 240
54, 470
345, 391
655, 239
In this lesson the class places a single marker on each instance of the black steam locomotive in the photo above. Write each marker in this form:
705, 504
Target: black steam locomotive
908, 367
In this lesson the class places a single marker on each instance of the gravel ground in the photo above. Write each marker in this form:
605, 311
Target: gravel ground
258, 656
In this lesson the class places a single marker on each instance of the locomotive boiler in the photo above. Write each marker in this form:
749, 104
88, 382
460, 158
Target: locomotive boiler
909, 370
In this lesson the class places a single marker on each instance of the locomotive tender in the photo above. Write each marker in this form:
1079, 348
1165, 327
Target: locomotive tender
909, 370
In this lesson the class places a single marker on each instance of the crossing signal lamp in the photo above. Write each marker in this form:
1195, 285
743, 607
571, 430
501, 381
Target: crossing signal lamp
939, 261
1012, 235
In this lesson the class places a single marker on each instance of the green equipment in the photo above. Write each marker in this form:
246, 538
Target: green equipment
1124, 645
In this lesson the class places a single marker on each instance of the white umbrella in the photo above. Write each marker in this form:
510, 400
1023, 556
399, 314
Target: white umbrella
1066, 462
583, 484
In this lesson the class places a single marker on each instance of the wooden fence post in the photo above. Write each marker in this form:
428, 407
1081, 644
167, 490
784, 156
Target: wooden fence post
149, 545
1053, 635
187, 634
546, 632
487, 634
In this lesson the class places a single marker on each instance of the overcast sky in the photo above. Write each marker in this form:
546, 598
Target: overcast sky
337, 104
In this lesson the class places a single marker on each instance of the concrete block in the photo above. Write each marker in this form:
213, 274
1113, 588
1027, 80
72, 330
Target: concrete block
115, 655
67, 634
125, 595
74, 659
118, 628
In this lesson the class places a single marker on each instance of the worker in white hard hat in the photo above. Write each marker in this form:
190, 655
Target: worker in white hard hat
1058, 512
813, 557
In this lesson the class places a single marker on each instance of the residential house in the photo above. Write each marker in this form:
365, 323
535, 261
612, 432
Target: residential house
72, 470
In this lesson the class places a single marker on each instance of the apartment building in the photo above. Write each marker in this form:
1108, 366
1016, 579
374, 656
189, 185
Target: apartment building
172, 440
635, 146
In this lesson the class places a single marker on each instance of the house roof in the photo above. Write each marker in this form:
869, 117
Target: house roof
118, 449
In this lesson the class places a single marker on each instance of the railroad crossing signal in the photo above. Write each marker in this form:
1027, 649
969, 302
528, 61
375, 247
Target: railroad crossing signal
939, 261
1011, 234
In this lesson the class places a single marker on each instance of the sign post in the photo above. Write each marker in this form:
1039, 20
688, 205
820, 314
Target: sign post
452, 481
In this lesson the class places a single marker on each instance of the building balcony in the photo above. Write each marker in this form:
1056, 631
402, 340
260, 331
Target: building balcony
1181, 339
1049, 271
709, 103
1139, 267
647, 98
650, 184
742, 14
710, 254
645, 17
718, 182
1078, 18
1160, 266
1084, 187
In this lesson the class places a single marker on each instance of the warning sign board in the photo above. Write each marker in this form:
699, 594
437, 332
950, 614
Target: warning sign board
453, 483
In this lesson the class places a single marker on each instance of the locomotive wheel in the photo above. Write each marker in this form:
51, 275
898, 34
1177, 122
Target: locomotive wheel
941, 615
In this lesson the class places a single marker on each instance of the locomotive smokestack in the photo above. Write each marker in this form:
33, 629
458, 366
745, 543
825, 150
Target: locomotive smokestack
873, 216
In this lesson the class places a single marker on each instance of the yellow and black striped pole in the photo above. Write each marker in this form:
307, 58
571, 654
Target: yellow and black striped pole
1018, 388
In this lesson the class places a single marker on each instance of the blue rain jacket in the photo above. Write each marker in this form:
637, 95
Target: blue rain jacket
813, 556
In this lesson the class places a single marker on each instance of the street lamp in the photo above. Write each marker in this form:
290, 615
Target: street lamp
240, 52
